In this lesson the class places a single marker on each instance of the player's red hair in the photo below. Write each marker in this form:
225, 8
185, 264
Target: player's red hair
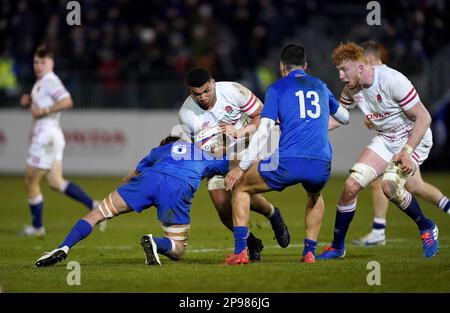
348, 52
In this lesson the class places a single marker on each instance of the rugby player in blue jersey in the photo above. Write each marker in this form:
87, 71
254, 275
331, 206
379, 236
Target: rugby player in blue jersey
167, 178
303, 104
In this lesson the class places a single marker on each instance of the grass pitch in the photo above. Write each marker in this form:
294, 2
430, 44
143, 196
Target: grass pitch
113, 261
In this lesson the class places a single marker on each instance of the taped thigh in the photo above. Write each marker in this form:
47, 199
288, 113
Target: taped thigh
107, 208
364, 174
216, 182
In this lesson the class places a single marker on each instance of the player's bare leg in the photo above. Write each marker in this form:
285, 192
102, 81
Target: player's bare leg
110, 207
57, 182
33, 177
418, 187
380, 205
368, 167
314, 213
222, 202
250, 184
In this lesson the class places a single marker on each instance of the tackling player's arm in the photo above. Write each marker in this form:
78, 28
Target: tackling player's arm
258, 140
339, 114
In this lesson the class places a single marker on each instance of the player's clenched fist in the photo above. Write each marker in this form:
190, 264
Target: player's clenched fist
25, 100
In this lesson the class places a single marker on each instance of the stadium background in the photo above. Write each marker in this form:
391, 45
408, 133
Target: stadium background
129, 58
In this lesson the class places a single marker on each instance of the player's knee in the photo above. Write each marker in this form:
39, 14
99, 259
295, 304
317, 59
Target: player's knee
389, 188
394, 191
351, 189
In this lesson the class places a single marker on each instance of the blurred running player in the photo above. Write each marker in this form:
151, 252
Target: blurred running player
389, 100
303, 104
166, 178
237, 111
48, 98
418, 187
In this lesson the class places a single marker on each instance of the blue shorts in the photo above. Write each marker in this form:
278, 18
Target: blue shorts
171, 196
313, 174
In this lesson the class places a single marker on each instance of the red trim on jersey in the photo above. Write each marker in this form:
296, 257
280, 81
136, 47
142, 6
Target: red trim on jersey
251, 106
345, 101
248, 102
416, 158
411, 99
409, 93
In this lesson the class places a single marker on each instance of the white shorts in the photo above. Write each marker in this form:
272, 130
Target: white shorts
47, 146
387, 149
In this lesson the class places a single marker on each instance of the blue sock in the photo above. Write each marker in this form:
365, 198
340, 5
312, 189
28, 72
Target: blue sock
163, 244
75, 192
344, 216
310, 246
240, 238
376, 225
415, 213
80, 231
36, 213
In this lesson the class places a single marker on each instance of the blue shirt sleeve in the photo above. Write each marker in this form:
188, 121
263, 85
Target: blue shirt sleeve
333, 103
148, 161
218, 167
270, 109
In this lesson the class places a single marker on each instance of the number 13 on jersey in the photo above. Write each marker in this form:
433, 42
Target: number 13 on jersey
313, 96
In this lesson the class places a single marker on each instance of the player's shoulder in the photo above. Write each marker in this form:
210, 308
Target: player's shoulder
231, 88
51, 78
388, 75
233, 91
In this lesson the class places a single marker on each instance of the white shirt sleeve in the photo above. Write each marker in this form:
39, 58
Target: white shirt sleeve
56, 89
257, 142
346, 99
247, 101
402, 91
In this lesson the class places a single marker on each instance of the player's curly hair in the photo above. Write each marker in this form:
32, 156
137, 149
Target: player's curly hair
348, 52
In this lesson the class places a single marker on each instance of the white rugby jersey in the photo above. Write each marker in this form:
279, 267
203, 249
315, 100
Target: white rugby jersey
385, 102
234, 105
46, 91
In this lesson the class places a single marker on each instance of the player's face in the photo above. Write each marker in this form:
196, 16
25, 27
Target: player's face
42, 66
350, 73
205, 95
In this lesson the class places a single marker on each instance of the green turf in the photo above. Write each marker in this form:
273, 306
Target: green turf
113, 261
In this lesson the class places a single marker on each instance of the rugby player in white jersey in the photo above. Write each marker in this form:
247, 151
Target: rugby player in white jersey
237, 111
417, 187
403, 141
48, 98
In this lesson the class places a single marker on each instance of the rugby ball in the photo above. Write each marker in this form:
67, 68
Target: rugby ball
209, 138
